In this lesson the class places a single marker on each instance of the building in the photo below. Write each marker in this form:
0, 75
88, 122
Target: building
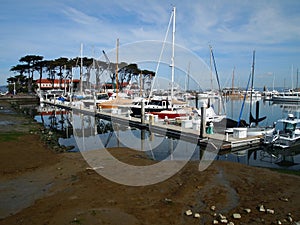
48, 84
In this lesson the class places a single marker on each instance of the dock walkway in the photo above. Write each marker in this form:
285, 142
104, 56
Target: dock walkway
217, 140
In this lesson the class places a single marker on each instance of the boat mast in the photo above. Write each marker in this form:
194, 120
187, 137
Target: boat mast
81, 68
252, 76
172, 59
232, 82
117, 68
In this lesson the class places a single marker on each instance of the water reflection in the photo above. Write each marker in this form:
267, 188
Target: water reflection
155, 146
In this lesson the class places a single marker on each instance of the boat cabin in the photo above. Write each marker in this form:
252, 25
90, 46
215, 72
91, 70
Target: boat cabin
289, 125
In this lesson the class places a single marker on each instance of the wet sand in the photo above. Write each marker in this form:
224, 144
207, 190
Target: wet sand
41, 186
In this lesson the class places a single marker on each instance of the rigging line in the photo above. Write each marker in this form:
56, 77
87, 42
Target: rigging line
161, 52
214, 62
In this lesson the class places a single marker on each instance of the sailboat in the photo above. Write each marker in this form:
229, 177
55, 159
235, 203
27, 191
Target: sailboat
254, 129
163, 107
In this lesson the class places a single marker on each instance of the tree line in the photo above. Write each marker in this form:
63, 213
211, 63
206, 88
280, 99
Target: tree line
61, 68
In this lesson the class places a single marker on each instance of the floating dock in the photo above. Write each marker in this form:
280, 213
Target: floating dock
217, 140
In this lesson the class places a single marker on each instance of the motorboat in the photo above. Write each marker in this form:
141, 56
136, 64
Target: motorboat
287, 133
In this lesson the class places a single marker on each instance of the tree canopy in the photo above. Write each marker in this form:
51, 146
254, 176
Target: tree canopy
61, 68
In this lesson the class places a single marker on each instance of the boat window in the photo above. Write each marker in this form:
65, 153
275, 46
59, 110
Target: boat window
290, 127
102, 97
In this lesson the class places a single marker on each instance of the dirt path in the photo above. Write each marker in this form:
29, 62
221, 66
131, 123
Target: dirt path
39, 186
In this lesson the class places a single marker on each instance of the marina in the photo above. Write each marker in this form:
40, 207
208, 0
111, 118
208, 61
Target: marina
248, 150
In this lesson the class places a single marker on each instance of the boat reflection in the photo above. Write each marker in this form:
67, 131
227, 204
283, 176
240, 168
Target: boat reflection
88, 133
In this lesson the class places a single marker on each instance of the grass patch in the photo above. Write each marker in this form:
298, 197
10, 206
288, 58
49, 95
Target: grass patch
10, 136
293, 172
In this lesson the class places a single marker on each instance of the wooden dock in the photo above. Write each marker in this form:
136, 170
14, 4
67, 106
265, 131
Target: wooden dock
217, 140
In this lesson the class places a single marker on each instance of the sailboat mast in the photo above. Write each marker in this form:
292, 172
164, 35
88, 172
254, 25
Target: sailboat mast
81, 68
252, 81
232, 82
117, 68
173, 55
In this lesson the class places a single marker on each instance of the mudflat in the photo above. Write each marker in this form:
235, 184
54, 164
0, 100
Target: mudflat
38, 185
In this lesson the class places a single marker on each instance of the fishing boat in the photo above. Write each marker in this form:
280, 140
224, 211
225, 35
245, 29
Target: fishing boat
287, 135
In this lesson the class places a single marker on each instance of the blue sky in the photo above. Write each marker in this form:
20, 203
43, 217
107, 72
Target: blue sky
233, 28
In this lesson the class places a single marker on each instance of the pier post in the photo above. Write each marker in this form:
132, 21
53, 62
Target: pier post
203, 122
142, 112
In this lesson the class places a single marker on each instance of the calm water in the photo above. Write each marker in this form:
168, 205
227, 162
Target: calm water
86, 132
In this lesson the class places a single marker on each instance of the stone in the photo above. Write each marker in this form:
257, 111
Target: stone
213, 208
188, 212
247, 210
197, 215
270, 211
224, 221
236, 216
290, 219
222, 216
279, 222
261, 208
284, 199
230, 223
215, 222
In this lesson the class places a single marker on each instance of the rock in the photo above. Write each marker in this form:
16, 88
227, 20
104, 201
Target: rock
261, 208
290, 219
215, 222
284, 199
197, 215
236, 216
224, 221
230, 223
168, 200
247, 210
213, 208
222, 216
279, 222
271, 211
188, 212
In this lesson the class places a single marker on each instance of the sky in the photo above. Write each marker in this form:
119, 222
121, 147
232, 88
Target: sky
233, 28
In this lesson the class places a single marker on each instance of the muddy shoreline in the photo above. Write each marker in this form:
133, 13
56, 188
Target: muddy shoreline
40, 185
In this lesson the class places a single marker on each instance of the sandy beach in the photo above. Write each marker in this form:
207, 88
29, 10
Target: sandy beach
39, 185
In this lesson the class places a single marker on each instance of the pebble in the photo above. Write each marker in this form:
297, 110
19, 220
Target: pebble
236, 216
230, 223
221, 216
224, 221
247, 210
262, 208
271, 211
290, 219
188, 212
279, 222
213, 208
215, 222
197, 215
284, 199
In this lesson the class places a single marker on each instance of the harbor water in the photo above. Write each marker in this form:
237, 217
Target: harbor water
99, 133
